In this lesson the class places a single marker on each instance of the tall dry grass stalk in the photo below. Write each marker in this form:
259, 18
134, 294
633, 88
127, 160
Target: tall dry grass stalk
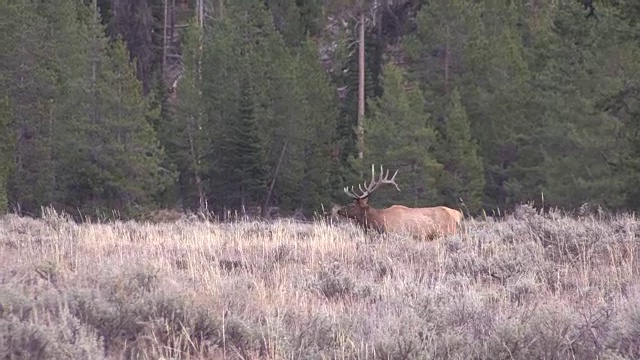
548, 287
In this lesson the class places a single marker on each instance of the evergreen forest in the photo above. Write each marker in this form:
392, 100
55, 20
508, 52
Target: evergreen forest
236, 105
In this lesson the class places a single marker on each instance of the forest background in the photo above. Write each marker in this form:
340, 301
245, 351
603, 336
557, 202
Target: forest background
217, 105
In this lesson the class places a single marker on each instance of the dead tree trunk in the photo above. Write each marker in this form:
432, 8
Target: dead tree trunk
361, 97
200, 12
165, 27
447, 62
265, 204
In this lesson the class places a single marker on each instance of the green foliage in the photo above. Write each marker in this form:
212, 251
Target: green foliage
244, 160
624, 105
239, 48
126, 167
463, 178
29, 72
347, 80
296, 20
578, 137
78, 110
160, 115
492, 102
311, 12
449, 39
318, 114
531, 81
435, 52
497, 99
6, 153
183, 132
399, 136
291, 118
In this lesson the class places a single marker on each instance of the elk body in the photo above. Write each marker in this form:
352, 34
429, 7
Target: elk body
425, 223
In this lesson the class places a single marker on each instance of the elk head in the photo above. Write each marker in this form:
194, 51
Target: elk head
359, 209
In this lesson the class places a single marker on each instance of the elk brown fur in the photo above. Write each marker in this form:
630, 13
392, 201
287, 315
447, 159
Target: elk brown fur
424, 223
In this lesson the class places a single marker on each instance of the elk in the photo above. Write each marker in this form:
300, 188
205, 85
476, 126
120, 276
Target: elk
427, 223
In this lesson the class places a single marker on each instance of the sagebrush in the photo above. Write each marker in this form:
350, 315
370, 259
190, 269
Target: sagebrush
542, 287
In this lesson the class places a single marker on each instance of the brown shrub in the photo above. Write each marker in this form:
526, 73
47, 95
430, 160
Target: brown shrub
540, 286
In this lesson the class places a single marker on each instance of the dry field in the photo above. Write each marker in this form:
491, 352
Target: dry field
550, 287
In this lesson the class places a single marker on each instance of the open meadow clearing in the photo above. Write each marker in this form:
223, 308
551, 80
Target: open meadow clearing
543, 287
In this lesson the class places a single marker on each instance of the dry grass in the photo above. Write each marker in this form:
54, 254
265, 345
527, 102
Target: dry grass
538, 288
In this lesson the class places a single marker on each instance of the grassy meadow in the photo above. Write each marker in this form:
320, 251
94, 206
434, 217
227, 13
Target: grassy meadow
526, 287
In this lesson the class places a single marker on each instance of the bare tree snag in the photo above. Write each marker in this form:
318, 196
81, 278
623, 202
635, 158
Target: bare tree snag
265, 204
164, 39
447, 61
200, 13
196, 166
361, 97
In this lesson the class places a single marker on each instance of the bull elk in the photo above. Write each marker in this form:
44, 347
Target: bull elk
427, 223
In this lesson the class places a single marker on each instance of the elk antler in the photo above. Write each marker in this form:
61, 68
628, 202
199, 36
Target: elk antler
373, 185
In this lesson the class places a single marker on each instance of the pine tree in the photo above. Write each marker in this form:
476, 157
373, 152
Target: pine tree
296, 20
576, 137
435, 53
44, 66
81, 46
311, 16
399, 136
222, 59
78, 110
620, 101
287, 21
6, 143
244, 156
458, 152
124, 158
28, 86
133, 22
497, 97
317, 123
6, 152
245, 45
185, 135
448, 41
160, 115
